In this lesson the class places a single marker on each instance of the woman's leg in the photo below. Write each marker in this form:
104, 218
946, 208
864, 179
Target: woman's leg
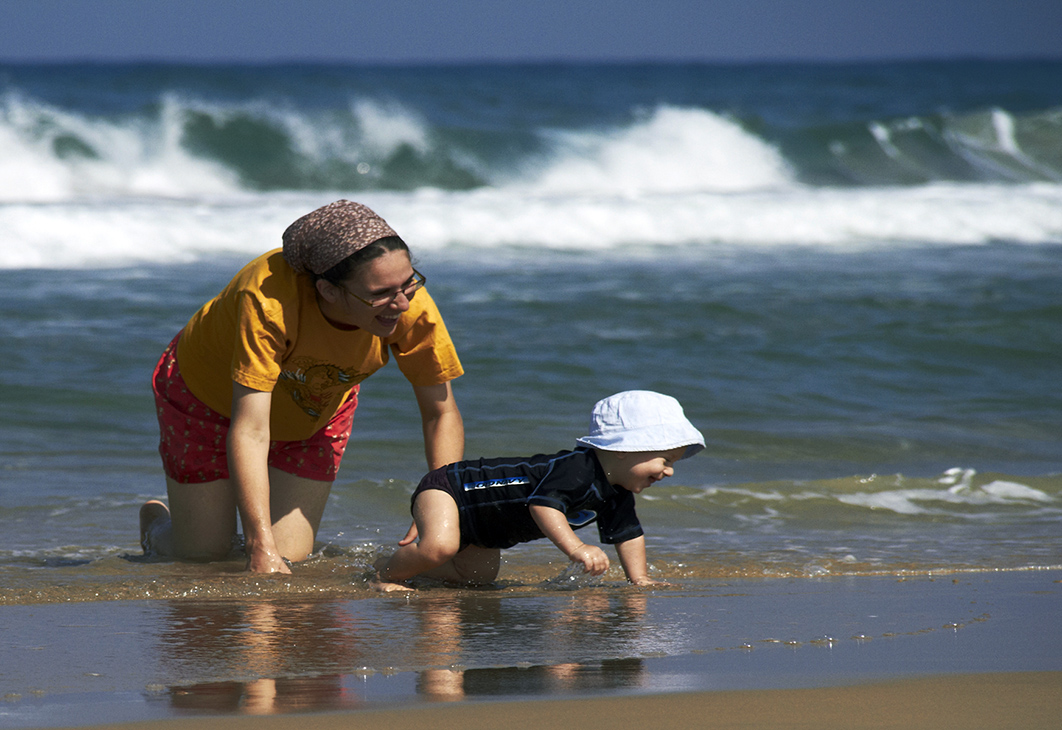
198, 525
156, 533
296, 505
201, 520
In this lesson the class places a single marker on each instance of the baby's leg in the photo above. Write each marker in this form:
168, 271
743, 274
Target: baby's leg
438, 526
473, 565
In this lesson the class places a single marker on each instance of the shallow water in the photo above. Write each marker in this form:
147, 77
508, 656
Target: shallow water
150, 659
864, 413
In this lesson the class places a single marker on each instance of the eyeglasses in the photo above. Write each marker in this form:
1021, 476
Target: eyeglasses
417, 281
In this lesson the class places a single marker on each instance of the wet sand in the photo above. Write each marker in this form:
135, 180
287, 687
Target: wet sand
977, 650
1029, 701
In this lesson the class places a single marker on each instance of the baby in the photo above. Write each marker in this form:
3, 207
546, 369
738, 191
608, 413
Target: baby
465, 513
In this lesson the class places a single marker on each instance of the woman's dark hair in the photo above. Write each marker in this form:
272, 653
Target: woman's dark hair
345, 268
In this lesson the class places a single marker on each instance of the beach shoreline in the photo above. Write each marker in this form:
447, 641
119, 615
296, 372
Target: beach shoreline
1026, 700
813, 652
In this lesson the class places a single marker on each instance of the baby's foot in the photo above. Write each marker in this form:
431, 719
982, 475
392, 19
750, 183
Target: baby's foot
384, 587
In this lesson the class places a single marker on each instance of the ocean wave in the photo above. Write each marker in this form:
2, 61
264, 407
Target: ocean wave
176, 175
992, 145
180, 145
960, 495
48, 154
670, 150
193, 149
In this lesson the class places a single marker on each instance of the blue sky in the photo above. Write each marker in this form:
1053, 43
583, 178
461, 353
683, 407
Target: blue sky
402, 31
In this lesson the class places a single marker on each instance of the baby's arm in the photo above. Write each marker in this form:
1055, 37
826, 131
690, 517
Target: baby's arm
554, 525
632, 558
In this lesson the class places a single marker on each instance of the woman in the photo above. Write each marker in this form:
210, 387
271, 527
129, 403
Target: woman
257, 393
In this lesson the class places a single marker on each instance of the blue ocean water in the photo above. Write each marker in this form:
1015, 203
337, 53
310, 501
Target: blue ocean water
848, 274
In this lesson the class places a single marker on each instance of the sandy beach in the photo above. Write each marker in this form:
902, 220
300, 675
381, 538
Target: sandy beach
977, 650
1030, 701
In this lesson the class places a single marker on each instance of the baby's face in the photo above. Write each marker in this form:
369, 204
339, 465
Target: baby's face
640, 470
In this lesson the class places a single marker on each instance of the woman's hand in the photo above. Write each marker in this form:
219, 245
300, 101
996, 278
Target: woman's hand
266, 561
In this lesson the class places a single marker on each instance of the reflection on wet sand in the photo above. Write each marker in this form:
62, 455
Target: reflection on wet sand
448, 685
278, 656
264, 696
452, 629
277, 649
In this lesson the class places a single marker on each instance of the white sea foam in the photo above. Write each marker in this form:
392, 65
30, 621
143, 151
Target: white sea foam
943, 501
1015, 492
386, 127
116, 231
841, 219
51, 155
959, 495
114, 159
130, 231
672, 150
676, 177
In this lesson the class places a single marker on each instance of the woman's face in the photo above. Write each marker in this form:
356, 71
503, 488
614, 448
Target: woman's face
379, 278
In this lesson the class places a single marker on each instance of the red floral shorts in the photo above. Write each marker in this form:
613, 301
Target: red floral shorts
193, 437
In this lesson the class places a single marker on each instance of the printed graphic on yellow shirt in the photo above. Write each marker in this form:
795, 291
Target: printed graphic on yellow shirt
316, 387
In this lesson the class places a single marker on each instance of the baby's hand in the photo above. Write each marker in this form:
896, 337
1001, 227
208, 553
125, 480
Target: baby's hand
593, 558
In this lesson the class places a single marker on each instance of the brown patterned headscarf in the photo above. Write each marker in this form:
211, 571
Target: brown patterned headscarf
321, 239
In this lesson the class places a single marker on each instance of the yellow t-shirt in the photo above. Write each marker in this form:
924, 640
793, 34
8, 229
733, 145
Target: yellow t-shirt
266, 331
